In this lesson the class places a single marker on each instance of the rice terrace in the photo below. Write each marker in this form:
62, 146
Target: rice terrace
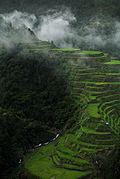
89, 140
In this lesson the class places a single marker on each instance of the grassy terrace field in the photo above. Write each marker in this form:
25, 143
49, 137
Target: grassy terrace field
82, 152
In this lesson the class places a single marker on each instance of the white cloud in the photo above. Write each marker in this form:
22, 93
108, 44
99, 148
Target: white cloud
56, 28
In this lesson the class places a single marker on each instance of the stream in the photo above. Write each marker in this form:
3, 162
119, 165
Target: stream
40, 145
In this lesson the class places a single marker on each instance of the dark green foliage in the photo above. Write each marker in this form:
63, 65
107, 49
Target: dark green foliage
32, 87
35, 104
114, 164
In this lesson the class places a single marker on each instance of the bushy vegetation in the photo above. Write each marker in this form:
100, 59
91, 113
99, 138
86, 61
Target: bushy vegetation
35, 104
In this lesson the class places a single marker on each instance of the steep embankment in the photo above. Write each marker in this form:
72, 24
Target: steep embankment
91, 135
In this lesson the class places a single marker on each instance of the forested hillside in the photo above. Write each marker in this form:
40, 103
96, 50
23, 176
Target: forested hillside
35, 101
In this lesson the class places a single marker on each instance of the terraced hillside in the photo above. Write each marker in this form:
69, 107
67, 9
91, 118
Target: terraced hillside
90, 141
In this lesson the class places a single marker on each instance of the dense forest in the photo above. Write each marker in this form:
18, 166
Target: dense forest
35, 104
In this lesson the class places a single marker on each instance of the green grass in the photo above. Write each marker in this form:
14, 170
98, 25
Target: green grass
91, 131
91, 52
113, 62
41, 165
66, 49
78, 160
94, 145
113, 74
99, 83
93, 110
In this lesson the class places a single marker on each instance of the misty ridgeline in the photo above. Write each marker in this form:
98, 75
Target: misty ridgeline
61, 28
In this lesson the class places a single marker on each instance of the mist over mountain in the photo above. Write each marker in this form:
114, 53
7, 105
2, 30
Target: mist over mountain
91, 7
69, 24
62, 28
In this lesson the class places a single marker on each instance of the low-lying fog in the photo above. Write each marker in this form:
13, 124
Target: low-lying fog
61, 28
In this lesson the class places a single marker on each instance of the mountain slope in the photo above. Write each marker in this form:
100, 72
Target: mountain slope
34, 100
91, 136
